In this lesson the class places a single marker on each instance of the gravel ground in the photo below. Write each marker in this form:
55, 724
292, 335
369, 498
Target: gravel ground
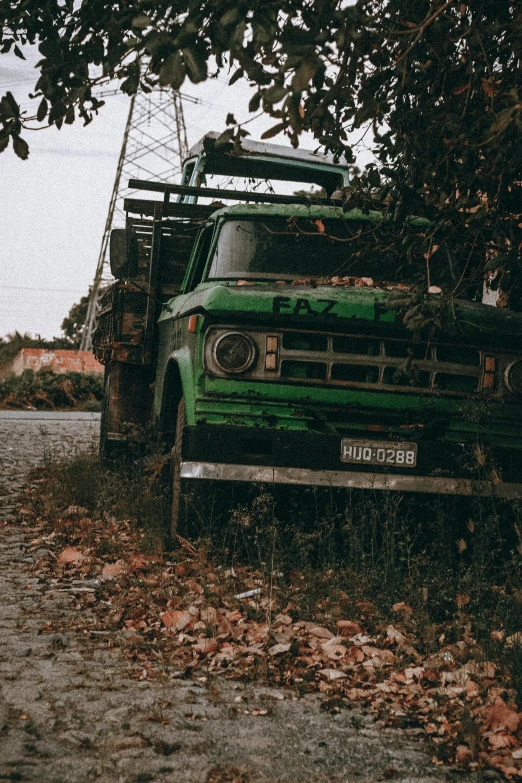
70, 712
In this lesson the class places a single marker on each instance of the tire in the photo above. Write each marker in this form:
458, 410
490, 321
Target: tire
177, 500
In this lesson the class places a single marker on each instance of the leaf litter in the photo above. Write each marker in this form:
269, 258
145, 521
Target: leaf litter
182, 614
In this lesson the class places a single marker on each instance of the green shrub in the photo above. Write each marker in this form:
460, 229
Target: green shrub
47, 390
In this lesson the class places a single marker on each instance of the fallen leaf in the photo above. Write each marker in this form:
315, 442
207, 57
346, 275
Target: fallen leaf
463, 754
209, 615
177, 619
499, 741
320, 633
113, 570
331, 674
402, 607
70, 555
348, 628
278, 649
514, 639
395, 635
500, 717
206, 646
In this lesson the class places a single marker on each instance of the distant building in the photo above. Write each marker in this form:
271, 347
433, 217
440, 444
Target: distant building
59, 361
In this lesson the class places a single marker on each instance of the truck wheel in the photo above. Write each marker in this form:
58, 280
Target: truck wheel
177, 500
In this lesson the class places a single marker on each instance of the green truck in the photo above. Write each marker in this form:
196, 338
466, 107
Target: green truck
260, 340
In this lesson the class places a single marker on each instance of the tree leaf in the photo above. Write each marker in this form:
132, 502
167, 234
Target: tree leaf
20, 147
273, 131
224, 138
172, 72
195, 64
69, 116
304, 74
255, 101
141, 21
4, 141
274, 94
41, 114
235, 76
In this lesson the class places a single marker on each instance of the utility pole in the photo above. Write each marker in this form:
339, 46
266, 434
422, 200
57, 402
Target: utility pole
154, 147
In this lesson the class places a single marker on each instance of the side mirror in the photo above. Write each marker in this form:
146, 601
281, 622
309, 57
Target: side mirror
123, 253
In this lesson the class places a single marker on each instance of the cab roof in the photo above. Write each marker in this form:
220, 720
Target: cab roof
265, 149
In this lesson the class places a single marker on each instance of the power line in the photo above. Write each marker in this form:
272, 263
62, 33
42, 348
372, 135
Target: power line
42, 290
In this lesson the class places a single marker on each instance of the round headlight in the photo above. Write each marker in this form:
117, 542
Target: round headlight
234, 352
514, 377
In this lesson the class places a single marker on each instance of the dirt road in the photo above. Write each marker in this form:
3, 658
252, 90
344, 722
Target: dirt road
69, 711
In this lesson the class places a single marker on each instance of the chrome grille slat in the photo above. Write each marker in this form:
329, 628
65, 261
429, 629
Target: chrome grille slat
461, 373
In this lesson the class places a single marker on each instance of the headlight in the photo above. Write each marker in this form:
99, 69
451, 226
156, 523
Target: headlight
234, 352
514, 377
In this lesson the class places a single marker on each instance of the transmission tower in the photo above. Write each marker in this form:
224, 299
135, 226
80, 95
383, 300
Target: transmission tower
154, 147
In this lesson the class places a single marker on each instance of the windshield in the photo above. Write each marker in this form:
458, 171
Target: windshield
277, 248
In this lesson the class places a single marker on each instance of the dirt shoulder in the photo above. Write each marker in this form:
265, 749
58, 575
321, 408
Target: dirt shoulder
73, 707
69, 709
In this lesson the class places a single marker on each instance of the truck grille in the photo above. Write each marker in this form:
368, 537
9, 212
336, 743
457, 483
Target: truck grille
388, 364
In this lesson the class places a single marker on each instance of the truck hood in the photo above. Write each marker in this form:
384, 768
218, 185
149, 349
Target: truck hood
339, 308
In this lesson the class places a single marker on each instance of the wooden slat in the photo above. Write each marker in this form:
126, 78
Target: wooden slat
189, 211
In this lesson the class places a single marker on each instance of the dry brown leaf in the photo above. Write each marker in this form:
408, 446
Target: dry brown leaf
348, 628
463, 754
461, 88
138, 562
333, 650
366, 607
402, 607
499, 741
331, 674
278, 649
500, 717
320, 633
206, 646
395, 635
70, 555
113, 570
209, 615
177, 619
514, 639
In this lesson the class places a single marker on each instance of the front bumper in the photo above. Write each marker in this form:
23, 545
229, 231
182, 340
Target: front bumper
274, 456
266, 474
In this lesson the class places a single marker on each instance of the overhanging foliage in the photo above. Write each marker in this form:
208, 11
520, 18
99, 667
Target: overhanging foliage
439, 83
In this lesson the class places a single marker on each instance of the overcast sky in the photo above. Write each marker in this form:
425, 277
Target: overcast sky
54, 205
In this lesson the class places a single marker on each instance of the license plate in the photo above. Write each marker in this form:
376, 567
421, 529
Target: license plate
379, 452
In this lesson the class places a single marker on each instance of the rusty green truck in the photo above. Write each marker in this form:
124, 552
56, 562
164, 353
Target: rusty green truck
259, 341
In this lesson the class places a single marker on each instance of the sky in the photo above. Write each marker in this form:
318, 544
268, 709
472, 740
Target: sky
54, 205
